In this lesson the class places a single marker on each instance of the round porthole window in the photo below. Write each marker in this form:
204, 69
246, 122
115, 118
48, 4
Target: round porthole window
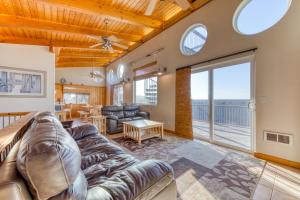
120, 72
193, 39
255, 16
110, 76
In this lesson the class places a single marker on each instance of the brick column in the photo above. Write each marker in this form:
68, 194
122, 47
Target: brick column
183, 109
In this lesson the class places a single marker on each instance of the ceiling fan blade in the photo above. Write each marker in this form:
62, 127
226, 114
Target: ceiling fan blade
111, 50
96, 45
151, 7
184, 4
98, 38
113, 38
119, 45
99, 76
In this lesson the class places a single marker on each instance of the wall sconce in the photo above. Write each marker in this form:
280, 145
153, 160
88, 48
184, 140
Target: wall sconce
161, 71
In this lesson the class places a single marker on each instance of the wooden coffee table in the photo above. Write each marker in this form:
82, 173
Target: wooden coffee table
139, 130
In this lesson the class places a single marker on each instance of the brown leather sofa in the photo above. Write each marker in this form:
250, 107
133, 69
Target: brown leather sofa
116, 115
53, 163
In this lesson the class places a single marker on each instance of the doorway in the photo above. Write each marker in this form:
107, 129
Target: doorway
223, 108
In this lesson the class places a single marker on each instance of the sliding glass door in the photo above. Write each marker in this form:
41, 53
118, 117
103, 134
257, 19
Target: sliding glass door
200, 104
222, 104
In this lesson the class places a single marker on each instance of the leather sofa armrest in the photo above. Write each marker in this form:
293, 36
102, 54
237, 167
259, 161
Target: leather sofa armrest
113, 117
111, 123
145, 115
82, 131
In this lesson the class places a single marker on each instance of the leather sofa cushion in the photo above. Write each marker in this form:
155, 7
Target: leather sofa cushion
131, 113
119, 114
137, 118
143, 179
131, 110
48, 158
132, 107
124, 120
82, 131
112, 108
113, 174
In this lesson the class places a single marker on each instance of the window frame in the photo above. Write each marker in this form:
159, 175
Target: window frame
144, 77
76, 97
186, 33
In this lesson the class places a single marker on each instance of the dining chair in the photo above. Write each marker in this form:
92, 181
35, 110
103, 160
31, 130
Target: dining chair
68, 110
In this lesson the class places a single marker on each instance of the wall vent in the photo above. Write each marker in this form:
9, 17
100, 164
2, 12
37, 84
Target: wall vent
278, 137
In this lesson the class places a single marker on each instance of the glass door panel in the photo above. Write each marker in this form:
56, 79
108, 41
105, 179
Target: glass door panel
200, 104
231, 99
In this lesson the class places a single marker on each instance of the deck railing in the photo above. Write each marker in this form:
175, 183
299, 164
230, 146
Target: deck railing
227, 112
8, 118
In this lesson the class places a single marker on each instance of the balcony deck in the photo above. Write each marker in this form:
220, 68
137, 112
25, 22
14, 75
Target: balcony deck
228, 134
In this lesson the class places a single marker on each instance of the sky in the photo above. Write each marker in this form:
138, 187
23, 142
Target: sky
232, 82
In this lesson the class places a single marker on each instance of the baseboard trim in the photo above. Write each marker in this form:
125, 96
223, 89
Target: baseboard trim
278, 160
173, 132
169, 131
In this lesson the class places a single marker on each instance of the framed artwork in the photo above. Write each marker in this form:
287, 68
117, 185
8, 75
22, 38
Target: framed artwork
18, 82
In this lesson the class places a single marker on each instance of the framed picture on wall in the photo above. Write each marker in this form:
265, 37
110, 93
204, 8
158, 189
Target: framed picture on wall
18, 82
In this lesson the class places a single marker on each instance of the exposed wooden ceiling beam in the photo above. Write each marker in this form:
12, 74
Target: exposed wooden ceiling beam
45, 42
79, 64
90, 7
91, 60
51, 49
87, 54
87, 49
37, 24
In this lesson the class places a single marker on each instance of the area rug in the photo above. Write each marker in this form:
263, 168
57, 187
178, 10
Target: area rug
133, 145
202, 170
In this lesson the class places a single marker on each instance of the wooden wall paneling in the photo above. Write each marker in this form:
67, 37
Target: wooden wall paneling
97, 95
58, 93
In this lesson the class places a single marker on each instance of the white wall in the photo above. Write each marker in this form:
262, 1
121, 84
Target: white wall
80, 75
277, 69
28, 57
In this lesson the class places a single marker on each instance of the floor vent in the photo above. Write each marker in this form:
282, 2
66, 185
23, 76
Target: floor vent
278, 137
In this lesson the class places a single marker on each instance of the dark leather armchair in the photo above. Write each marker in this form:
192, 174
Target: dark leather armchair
116, 115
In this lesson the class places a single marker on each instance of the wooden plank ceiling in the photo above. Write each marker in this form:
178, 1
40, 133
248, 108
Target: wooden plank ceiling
71, 27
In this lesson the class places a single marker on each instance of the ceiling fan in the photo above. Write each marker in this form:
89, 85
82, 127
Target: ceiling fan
96, 76
184, 4
107, 42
